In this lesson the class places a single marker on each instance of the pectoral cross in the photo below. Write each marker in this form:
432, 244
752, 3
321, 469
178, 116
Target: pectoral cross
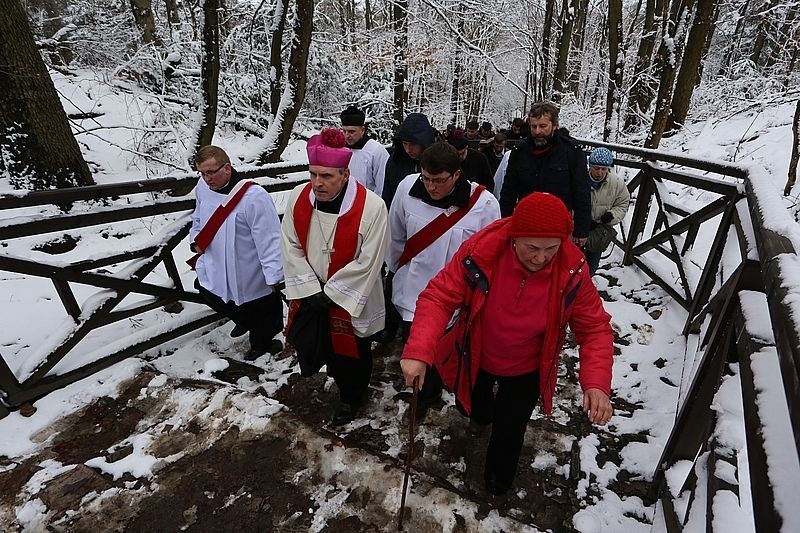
328, 251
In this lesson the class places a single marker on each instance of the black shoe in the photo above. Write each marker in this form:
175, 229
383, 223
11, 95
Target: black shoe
254, 353
275, 347
344, 414
238, 330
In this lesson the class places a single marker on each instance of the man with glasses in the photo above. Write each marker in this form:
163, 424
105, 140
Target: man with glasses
239, 270
432, 214
368, 163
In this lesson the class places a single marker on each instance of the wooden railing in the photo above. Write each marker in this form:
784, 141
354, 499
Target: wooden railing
102, 205
662, 229
677, 200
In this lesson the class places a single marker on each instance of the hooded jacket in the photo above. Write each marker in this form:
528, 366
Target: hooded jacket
461, 287
416, 129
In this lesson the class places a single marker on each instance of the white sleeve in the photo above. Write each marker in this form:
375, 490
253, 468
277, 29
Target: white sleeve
500, 175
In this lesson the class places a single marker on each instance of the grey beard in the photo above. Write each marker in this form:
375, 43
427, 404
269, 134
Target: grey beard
541, 142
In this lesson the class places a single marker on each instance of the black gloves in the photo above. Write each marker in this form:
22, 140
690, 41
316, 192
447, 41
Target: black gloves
319, 302
607, 217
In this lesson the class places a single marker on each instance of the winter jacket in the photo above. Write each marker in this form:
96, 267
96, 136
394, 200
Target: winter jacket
461, 287
475, 168
415, 128
561, 171
611, 197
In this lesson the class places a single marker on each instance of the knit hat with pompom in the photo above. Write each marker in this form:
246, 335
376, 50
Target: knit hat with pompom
541, 214
328, 149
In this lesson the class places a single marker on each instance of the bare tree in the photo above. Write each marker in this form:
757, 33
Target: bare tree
294, 90
578, 35
765, 27
145, 21
667, 61
689, 75
567, 22
616, 64
642, 90
36, 144
547, 30
400, 26
209, 73
278, 27
795, 151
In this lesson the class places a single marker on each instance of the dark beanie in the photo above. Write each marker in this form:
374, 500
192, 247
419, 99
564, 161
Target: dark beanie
457, 140
352, 116
541, 214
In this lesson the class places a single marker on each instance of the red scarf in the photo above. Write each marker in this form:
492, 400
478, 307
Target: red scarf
344, 251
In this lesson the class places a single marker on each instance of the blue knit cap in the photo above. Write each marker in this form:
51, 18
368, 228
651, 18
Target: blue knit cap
601, 157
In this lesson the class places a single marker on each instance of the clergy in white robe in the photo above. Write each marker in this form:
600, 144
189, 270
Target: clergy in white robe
432, 214
369, 156
334, 240
239, 270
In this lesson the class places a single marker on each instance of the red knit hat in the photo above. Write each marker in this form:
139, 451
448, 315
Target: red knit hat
541, 214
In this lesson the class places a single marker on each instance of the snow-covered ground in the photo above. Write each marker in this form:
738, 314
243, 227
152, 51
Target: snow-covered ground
652, 369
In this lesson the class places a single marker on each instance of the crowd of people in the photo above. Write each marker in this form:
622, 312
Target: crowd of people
478, 259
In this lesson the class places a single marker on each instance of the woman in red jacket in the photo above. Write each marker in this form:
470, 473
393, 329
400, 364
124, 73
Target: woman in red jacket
512, 335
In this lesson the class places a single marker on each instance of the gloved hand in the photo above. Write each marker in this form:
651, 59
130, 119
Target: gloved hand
607, 217
319, 302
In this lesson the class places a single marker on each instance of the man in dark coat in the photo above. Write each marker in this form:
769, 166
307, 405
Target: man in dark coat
494, 152
414, 135
474, 165
549, 161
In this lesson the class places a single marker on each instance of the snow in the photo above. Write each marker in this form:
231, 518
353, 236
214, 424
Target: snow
651, 372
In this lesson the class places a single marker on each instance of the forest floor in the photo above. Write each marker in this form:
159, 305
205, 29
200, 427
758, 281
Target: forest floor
209, 467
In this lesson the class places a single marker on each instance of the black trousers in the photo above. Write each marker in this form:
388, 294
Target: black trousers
262, 317
350, 374
509, 410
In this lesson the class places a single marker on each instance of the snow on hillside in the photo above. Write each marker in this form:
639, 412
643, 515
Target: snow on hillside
652, 361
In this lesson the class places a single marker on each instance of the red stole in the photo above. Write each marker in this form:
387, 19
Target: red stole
345, 241
217, 218
435, 229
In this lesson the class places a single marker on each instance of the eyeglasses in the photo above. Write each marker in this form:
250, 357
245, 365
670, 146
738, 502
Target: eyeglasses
435, 181
206, 173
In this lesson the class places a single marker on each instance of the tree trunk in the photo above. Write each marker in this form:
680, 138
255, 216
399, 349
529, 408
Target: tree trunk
689, 76
616, 64
787, 36
277, 28
734, 46
368, 15
667, 61
209, 73
795, 151
763, 31
642, 90
36, 143
567, 22
143, 16
400, 26
547, 30
577, 45
455, 94
295, 90
173, 13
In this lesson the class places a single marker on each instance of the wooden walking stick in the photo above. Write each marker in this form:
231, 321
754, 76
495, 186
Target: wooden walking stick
409, 455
